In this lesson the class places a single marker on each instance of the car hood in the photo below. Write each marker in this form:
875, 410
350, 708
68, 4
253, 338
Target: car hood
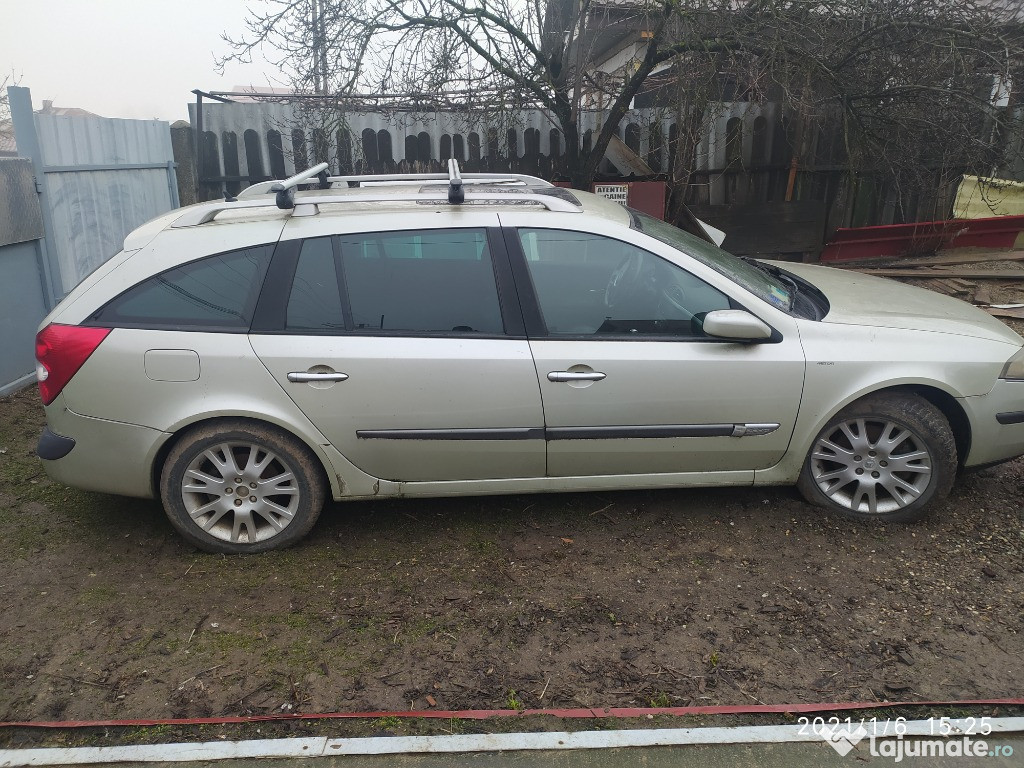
857, 299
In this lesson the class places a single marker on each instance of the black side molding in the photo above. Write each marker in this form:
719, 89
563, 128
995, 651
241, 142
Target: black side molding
53, 446
1011, 417
573, 433
525, 433
654, 431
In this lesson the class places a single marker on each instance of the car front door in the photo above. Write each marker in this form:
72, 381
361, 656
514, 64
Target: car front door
630, 383
406, 349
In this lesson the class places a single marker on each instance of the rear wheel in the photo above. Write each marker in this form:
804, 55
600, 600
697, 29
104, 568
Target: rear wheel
239, 487
885, 457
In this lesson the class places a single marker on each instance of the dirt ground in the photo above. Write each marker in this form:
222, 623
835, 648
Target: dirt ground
725, 596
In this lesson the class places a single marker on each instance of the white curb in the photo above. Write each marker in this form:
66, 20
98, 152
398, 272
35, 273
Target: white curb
496, 742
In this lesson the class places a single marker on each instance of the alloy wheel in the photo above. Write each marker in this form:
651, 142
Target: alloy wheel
872, 466
240, 492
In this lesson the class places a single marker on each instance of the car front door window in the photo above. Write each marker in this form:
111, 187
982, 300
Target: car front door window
588, 285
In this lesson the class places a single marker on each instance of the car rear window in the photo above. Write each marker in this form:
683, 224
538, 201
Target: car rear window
216, 293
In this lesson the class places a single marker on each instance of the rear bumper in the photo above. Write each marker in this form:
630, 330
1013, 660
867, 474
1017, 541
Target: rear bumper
53, 446
99, 455
997, 421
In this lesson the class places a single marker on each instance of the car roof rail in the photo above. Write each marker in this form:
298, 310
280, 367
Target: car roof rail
308, 204
267, 187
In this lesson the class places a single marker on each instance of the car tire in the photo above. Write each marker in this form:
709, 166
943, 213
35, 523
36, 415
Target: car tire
276, 503
885, 457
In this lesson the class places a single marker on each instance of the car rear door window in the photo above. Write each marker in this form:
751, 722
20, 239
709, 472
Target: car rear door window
590, 285
427, 281
217, 292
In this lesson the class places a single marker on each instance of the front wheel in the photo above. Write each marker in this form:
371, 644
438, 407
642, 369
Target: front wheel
885, 457
239, 487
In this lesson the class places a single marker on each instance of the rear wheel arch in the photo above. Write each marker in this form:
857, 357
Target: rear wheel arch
327, 476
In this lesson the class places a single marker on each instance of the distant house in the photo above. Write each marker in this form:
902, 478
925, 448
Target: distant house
49, 109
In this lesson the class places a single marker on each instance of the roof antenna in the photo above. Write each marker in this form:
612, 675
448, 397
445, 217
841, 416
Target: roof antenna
456, 194
324, 181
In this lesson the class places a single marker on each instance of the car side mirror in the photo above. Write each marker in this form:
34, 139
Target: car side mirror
737, 324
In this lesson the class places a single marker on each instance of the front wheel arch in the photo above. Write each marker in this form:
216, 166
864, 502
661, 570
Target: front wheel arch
946, 402
885, 456
954, 413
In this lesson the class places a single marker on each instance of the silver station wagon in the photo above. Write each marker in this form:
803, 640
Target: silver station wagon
406, 336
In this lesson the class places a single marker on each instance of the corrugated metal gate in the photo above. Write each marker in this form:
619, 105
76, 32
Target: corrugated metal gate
93, 180
23, 286
98, 178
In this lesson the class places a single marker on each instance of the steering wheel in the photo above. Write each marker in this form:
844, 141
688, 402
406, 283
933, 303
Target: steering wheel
674, 297
625, 280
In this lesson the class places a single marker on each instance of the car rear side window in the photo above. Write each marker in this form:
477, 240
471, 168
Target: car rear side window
429, 281
315, 302
216, 293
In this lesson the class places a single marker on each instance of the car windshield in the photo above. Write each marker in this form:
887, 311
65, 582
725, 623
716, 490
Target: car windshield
757, 281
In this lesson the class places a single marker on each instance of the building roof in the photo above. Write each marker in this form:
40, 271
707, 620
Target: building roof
49, 109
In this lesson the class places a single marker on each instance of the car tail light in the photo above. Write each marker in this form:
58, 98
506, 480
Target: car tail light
60, 352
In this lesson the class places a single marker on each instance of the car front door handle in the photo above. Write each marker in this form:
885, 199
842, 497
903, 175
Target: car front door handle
303, 377
576, 376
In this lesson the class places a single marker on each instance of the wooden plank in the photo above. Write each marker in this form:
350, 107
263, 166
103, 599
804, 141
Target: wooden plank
926, 274
967, 258
625, 160
1016, 312
951, 286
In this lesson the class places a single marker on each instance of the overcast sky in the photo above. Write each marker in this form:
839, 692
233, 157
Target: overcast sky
123, 58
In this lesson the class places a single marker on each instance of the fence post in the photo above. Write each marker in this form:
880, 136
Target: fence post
172, 184
28, 146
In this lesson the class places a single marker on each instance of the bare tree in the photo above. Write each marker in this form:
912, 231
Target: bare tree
905, 84
5, 103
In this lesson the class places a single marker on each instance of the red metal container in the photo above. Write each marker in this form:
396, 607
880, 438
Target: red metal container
923, 237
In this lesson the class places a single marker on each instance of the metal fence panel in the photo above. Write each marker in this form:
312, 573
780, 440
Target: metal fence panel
21, 218
21, 296
93, 211
104, 178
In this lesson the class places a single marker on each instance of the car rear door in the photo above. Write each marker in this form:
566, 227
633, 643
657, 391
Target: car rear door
407, 349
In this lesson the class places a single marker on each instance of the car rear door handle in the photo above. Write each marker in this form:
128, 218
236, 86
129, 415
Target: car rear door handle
575, 376
302, 377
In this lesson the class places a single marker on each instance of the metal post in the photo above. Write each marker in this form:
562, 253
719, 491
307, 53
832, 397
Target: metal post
199, 145
28, 146
172, 184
